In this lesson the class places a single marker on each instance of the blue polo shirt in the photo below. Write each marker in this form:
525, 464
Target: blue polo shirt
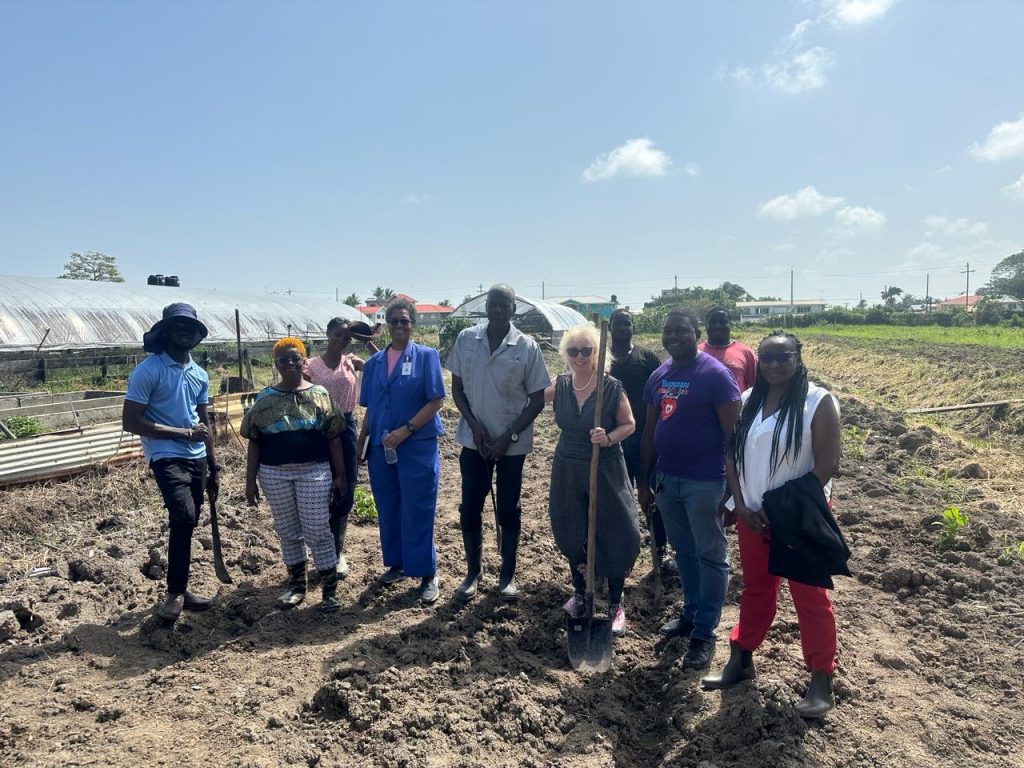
171, 393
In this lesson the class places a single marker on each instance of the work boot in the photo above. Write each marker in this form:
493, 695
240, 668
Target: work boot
819, 698
677, 627
507, 590
170, 608
296, 586
329, 585
698, 655
740, 667
473, 543
339, 526
193, 602
429, 589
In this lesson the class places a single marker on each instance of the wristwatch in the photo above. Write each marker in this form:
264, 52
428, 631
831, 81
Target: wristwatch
409, 426
513, 436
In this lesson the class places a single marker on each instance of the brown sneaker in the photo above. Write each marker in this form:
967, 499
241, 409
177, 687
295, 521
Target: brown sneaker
171, 607
195, 602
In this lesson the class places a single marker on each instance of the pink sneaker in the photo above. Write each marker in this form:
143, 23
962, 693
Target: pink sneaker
618, 620
574, 605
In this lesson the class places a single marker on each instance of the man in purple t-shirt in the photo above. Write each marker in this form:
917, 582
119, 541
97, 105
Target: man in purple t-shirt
692, 406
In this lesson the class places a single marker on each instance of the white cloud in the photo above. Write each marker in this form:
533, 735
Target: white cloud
944, 170
691, 169
798, 31
857, 218
856, 13
1004, 141
940, 225
1015, 191
416, 199
637, 157
807, 202
804, 71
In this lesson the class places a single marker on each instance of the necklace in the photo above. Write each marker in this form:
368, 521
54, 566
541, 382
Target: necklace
580, 389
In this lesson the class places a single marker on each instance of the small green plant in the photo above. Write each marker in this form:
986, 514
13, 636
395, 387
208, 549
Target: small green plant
1011, 553
853, 439
364, 507
953, 521
24, 426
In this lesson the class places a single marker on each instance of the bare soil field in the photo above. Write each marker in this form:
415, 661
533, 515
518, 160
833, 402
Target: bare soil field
931, 643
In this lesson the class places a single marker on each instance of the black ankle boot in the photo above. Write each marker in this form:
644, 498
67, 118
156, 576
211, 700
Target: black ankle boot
740, 667
296, 586
819, 698
509, 551
473, 542
329, 584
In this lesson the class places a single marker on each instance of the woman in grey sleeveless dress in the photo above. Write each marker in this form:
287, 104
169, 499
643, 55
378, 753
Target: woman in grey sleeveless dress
618, 532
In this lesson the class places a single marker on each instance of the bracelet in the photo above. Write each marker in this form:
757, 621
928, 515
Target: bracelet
609, 439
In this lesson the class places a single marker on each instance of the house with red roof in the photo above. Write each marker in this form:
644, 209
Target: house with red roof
427, 315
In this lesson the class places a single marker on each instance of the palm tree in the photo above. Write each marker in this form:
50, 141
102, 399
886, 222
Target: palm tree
889, 295
352, 300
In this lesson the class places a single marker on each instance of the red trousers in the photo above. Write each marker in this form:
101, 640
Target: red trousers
760, 599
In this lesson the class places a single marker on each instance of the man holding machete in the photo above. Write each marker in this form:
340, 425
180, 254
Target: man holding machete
498, 382
166, 405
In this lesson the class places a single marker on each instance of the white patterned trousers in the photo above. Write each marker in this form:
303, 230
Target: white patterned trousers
299, 495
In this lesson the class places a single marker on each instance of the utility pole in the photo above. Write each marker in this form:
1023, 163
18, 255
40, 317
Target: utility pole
336, 294
928, 292
967, 293
542, 289
675, 282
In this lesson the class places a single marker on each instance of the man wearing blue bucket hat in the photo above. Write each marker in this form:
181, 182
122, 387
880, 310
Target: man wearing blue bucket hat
166, 405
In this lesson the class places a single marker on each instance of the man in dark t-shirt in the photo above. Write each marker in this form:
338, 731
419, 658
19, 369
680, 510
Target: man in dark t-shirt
632, 366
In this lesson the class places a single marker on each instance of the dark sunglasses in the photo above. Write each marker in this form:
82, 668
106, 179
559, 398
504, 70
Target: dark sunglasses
776, 357
287, 360
399, 321
574, 351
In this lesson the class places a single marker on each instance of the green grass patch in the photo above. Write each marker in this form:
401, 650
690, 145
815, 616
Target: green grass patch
987, 336
364, 507
853, 440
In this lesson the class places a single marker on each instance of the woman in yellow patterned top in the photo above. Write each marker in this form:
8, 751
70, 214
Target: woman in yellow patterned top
293, 430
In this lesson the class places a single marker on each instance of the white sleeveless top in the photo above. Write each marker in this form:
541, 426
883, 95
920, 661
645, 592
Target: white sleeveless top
757, 477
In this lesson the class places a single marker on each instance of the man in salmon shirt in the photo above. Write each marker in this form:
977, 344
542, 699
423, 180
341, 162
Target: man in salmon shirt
740, 359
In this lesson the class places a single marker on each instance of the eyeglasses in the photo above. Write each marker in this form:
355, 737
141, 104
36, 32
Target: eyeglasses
574, 351
399, 321
776, 357
289, 361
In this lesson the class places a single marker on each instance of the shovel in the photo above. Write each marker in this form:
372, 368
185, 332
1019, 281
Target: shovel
589, 638
218, 556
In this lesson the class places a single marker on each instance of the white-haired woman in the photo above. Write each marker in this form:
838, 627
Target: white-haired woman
618, 532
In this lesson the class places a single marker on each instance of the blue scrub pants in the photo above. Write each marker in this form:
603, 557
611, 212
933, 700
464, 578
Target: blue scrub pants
406, 498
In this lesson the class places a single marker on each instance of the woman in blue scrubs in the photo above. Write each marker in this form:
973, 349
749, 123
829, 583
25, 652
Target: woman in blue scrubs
402, 391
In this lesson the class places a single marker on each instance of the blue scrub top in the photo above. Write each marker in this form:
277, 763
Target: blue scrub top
392, 401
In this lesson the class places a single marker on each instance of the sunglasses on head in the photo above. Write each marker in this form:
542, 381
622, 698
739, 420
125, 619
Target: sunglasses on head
776, 357
399, 321
574, 351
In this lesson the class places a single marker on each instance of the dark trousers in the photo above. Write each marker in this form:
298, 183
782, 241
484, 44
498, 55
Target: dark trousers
631, 451
341, 506
579, 583
182, 483
476, 485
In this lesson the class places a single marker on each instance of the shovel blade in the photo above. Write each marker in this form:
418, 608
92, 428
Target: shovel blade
590, 644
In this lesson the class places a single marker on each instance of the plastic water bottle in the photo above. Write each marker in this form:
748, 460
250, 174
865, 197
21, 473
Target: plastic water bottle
390, 454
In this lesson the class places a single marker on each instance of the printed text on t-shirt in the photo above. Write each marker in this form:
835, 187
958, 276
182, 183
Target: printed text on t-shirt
670, 392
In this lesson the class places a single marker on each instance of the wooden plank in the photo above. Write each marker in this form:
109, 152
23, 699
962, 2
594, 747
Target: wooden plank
966, 406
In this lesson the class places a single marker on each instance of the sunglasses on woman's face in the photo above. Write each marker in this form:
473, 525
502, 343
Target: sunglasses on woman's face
574, 351
776, 357
399, 321
288, 360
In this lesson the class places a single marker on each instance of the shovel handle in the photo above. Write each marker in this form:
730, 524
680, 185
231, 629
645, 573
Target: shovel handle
595, 457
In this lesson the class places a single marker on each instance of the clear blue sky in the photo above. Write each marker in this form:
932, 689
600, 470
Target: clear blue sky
435, 146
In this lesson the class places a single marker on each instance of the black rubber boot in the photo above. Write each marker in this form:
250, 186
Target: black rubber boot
507, 580
296, 586
329, 585
473, 542
339, 526
819, 698
740, 667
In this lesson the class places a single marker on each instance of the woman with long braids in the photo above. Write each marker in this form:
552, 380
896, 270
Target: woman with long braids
787, 429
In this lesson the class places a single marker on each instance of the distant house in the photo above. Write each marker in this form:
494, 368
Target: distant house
427, 315
589, 305
970, 303
764, 311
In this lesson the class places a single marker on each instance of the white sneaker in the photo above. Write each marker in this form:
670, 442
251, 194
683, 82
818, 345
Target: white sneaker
618, 620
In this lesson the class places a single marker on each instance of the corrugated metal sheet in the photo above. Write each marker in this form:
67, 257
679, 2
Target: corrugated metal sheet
559, 317
83, 313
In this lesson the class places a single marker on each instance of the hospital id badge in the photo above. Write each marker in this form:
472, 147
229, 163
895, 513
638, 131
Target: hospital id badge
407, 368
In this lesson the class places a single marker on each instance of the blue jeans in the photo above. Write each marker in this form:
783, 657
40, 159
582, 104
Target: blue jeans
689, 509
631, 450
